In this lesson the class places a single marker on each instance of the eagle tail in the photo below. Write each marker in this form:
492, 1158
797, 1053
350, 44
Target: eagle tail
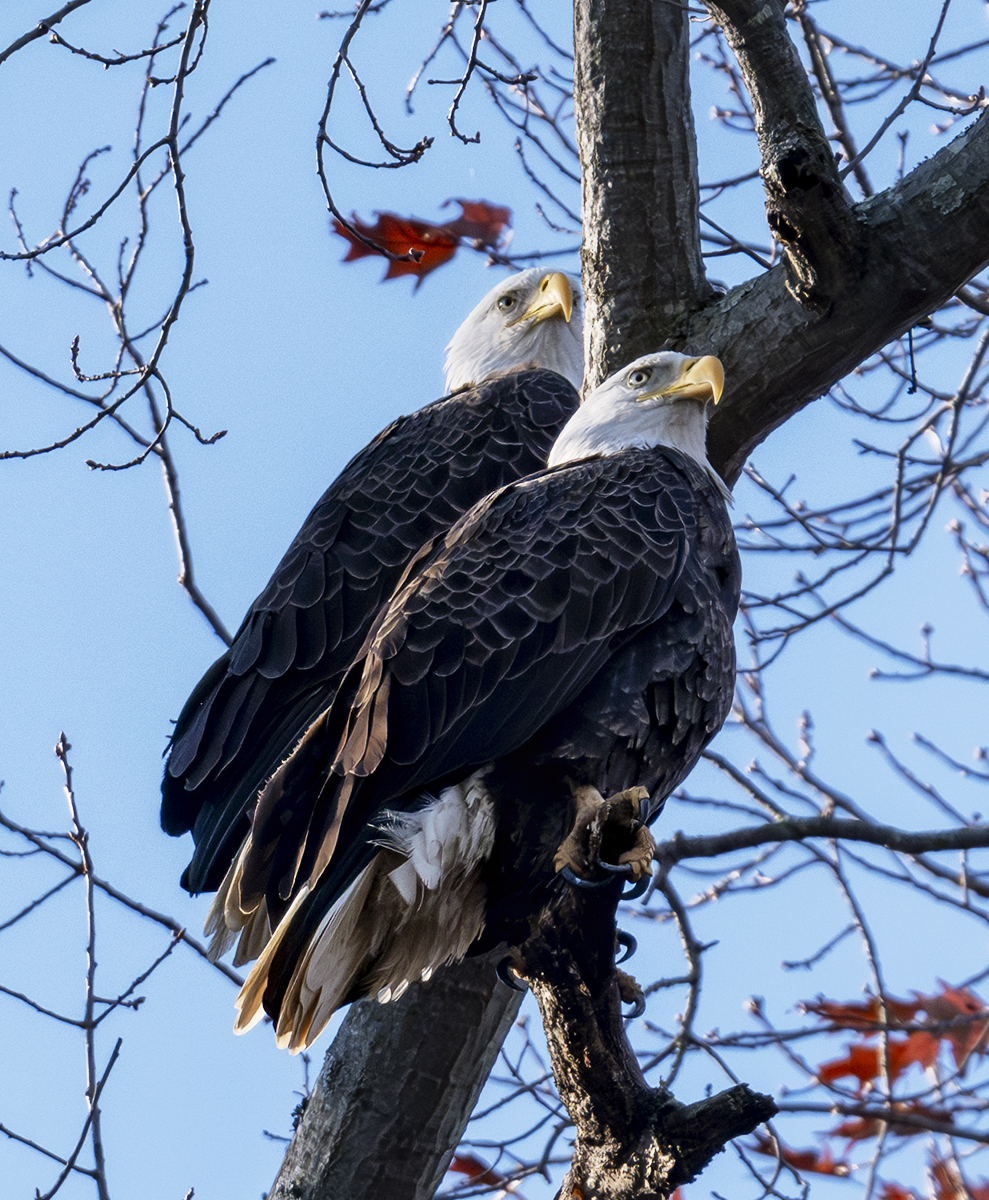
419, 904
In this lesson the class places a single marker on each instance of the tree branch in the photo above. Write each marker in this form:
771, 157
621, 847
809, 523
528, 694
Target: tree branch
920, 242
798, 829
632, 1141
807, 207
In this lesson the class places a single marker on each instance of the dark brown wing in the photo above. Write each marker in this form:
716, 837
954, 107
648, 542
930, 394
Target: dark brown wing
493, 647
300, 635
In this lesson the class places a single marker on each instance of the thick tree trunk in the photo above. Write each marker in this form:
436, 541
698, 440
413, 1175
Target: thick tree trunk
854, 277
396, 1089
642, 265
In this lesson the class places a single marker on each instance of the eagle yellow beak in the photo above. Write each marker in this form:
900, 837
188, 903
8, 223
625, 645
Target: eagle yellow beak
553, 296
703, 379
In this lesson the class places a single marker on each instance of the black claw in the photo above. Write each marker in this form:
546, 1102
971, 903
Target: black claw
638, 1009
576, 881
616, 868
638, 890
628, 944
507, 977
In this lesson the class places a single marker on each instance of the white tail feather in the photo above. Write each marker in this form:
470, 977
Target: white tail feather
418, 905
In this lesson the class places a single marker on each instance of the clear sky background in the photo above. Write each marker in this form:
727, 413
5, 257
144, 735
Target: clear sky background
302, 360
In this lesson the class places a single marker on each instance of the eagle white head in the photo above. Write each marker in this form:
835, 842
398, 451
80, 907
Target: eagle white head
658, 400
532, 319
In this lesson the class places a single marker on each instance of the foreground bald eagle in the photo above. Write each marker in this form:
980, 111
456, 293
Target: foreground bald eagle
513, 365
572, 632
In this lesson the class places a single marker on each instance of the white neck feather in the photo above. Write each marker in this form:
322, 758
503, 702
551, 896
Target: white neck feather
552, 345
593, 431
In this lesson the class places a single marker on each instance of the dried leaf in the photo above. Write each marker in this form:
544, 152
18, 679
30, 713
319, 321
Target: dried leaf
480, 222
859, 1128
948, 1184
862, 1015
896, 1191
861, 1062
473, 1168
970, 1032
429, 244
864, 1063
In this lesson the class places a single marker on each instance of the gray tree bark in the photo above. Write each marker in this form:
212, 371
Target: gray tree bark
396, 1088
642, 265
854, 277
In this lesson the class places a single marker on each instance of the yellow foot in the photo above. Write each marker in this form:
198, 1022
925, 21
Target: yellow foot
631, 993
580, 851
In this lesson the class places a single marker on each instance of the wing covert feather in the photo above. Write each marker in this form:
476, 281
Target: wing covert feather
525, 601
308, 624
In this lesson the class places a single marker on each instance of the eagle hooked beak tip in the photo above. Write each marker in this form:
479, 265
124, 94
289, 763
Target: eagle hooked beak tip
553, 296
703, 379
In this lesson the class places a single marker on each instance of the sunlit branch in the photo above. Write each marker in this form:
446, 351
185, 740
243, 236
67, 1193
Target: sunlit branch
796, 829
118, 59
43, 27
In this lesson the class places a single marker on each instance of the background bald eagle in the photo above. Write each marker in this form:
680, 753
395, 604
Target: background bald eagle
572, 630
517, 360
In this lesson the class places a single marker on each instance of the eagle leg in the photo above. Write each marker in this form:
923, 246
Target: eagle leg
631, 993
597, 825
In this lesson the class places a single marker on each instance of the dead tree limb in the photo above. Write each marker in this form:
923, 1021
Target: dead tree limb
633, 1142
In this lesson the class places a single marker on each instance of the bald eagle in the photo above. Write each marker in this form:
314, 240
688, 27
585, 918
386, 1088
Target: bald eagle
513, 367
571, 633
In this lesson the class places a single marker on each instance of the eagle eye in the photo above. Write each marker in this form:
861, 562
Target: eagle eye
507, 303
640, 377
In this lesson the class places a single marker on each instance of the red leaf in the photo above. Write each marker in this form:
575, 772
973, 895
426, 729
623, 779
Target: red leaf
473, 1168
920, 1047
430, 244
820, 1162
896, 1191
480, 221
858, 1129
866, 1127
948, 1184
864, 1063
970, 1016
862, 1015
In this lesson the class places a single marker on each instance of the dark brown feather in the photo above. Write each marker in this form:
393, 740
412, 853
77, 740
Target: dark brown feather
300, 635
577, 625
